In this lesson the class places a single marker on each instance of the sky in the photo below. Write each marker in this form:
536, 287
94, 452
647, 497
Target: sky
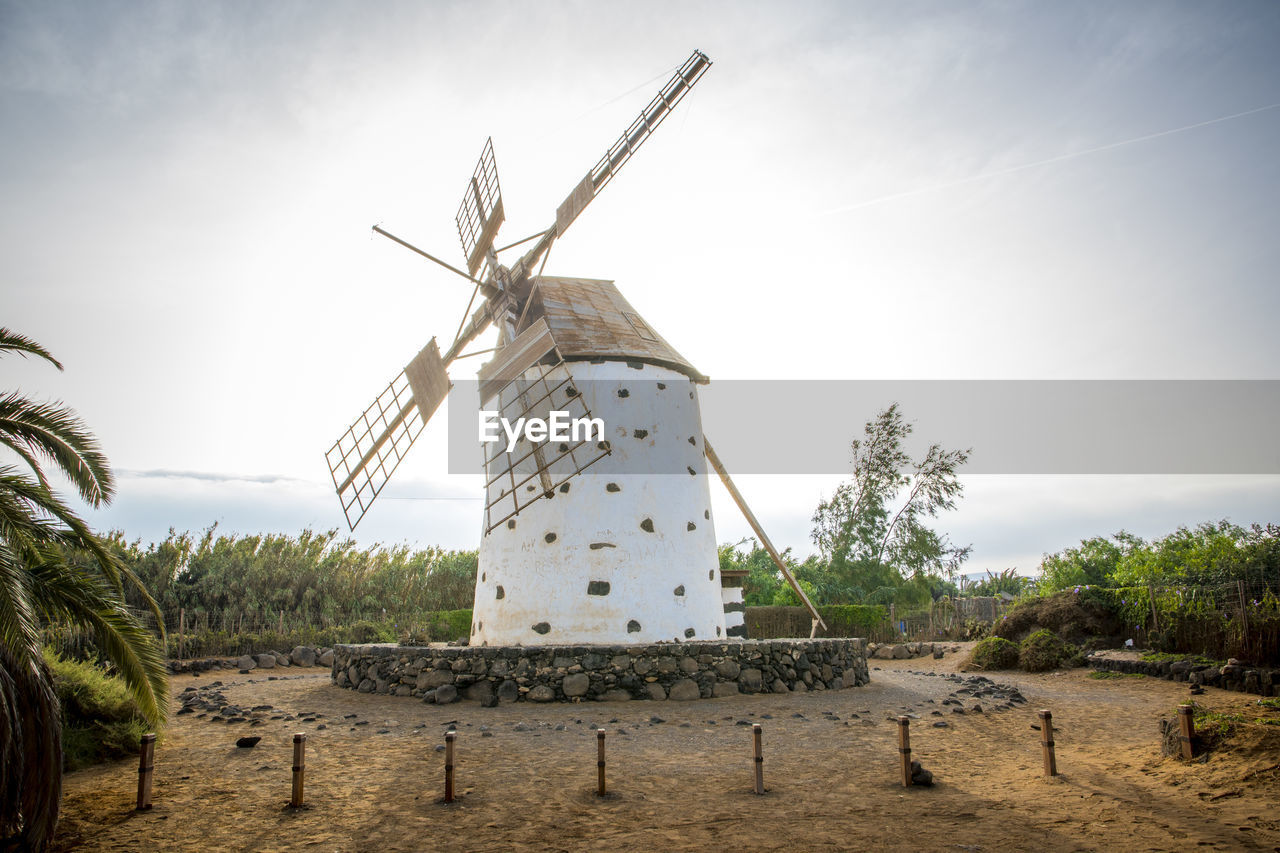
854, 191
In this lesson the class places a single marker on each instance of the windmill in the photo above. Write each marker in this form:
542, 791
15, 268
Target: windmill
625, 553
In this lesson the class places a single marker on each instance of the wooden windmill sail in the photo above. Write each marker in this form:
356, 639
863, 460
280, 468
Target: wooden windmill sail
546, 325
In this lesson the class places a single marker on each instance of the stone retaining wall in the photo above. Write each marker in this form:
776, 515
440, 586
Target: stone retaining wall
1232, 676
695, 670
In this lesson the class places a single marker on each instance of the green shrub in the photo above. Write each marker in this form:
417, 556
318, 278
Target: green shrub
1045, 650
995, 653
100, 721
365, 631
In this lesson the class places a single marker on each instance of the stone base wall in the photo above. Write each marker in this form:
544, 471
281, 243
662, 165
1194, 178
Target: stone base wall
1233, 676
680, 671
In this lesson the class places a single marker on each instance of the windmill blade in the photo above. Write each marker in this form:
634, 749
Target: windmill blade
480, 214
630, 141
368, 453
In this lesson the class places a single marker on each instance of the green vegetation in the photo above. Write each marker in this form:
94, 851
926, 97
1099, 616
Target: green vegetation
100, 717
38, 584
995, 653
1212, 591
1172, 657
1105, 674
315, 576
1044, 650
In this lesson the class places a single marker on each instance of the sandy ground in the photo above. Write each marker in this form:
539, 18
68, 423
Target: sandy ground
680, 774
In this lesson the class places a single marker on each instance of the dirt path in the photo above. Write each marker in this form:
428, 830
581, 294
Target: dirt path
680, 773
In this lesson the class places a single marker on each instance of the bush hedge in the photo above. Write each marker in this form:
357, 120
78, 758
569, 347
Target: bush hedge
1045, 650
995, 653
100, 720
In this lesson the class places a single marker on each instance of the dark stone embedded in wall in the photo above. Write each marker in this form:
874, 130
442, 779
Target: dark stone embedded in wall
706, 513
623, 392
690, 526
737, 631
636, 365
550, 537
612, 487
563, 448
692, 473
633, 626
679, 590
542, 628
689, 633
502, 593
647, 525
603, 445
564, 488
640, 433
598, 588
692, 441
662, 386
596, 546
511, 525
603, 672
711, 575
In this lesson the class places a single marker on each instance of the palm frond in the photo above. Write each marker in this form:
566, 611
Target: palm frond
11, 341
54, 432
72, 594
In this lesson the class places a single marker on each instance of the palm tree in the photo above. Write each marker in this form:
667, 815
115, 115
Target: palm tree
39, 584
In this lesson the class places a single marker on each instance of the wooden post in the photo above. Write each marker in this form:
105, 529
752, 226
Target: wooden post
1187, 730
1244, 616
600, 789
299, 761
146, 767
904, 748
182, 634
759, 750
448, 765
1046, 744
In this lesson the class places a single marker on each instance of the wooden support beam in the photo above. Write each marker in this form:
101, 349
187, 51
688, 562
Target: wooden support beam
759, 531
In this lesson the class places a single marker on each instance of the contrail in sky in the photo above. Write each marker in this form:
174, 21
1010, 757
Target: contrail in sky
1070, 156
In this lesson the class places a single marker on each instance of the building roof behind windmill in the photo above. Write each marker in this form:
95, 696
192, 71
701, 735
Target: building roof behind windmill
590, 319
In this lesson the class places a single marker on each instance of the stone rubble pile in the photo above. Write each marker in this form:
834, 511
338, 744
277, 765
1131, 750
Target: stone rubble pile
905, 651
300, 656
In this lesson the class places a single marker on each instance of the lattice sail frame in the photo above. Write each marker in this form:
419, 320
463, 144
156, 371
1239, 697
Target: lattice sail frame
480, 214
536, 470
393, 414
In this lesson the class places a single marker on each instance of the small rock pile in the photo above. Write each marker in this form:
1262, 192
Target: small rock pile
1233, 675
300, 656
906, 651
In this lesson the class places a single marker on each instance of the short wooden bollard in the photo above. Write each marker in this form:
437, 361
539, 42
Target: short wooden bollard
756, 735
299, 763
904, 748
146, 767
448, 765
1187, 730
600, 789
1046, 744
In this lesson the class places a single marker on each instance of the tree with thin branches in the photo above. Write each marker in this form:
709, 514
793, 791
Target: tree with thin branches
40, 585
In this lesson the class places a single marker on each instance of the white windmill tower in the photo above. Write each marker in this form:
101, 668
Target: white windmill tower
598, 538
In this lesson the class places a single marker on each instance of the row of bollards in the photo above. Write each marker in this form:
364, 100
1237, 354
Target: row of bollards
146, 764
